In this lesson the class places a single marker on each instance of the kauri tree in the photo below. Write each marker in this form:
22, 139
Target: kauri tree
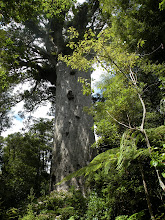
36, 34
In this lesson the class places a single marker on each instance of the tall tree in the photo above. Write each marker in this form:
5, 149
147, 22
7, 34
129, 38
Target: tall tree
6, 100
121, 51
30, 54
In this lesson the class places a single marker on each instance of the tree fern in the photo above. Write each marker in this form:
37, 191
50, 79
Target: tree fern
129, 150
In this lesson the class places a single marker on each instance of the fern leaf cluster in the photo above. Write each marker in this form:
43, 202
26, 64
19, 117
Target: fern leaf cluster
102, 160
129, 150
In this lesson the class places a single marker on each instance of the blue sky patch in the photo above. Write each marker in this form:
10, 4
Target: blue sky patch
18, 118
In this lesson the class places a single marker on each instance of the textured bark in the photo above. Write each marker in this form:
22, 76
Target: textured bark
73, 134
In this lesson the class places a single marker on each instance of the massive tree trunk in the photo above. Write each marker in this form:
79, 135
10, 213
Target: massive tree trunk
73, 134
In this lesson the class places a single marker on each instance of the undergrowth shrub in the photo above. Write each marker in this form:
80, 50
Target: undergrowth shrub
135, 216
60, 205
96, 208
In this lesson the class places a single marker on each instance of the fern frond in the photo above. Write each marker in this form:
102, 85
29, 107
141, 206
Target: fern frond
102, 160
129, 150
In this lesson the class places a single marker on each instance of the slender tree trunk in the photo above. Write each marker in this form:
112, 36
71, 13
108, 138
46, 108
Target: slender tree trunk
146, 193
73, 134
162, 185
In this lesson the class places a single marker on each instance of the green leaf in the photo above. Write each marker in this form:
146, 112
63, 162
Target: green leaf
154, 163
163, 174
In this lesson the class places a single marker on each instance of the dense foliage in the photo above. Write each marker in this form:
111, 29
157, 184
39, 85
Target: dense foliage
25, 164
131, 50
127, 177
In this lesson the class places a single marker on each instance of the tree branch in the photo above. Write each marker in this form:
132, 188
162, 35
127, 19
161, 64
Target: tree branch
127, 126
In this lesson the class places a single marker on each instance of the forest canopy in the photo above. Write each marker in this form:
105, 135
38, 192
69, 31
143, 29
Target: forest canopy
54, 46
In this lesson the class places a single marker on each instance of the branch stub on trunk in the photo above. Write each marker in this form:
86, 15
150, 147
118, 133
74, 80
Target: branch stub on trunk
70, 95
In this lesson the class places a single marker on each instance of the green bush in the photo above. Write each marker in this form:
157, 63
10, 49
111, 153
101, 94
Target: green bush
12, 213
62, 205
122, 217
96, 208
136, 216
30, 215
